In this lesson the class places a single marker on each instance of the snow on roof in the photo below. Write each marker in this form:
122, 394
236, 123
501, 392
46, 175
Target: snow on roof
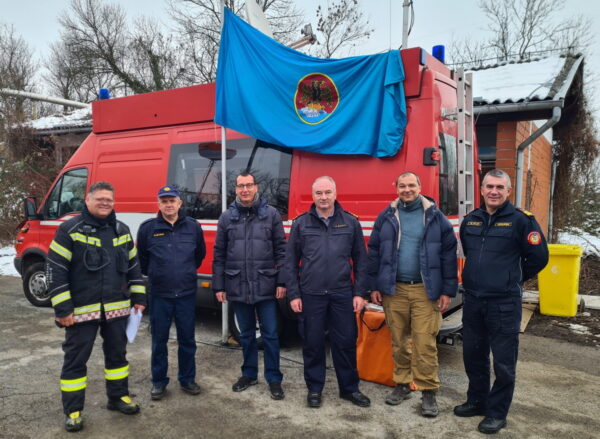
534, 80
78, 118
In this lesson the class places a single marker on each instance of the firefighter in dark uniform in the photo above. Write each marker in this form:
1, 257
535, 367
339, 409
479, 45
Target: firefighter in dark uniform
325, 249
504, 247
94, 278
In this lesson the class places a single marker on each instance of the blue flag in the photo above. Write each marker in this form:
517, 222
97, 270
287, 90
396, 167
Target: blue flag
331, 106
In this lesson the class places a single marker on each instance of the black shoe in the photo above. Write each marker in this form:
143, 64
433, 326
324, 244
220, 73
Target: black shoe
429, 407
276, 390
356, 398
74, 422
399, 394
243, 383
124, 405
491, 425
157, 392
314, 399
192, 388
468, 410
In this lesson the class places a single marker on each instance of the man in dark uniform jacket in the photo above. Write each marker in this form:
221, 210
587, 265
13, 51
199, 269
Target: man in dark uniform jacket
326, 247
93, 279
504, 247
171, 248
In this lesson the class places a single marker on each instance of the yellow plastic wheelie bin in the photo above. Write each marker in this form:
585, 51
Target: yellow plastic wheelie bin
559, 280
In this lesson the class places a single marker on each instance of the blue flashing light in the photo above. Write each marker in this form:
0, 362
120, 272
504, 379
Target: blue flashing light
439, 52
103, 93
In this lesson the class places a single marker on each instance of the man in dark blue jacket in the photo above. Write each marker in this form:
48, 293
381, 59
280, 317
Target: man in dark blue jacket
326, 248
412, 270
504, 247
249, 251
171, 248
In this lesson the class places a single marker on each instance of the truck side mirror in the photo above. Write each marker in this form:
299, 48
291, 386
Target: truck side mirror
30, 208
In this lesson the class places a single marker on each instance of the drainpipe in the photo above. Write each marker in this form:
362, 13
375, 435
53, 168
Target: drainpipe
552, 184
556, 113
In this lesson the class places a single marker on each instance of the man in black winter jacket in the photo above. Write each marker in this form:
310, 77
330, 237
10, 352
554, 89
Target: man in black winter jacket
325, 275
171, 248
248, 254
93, 279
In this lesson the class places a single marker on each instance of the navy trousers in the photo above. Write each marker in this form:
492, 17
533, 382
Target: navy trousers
246, 314
491, 324
162, 313
333, 312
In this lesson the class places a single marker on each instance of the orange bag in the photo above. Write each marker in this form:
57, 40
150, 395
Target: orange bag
374, 348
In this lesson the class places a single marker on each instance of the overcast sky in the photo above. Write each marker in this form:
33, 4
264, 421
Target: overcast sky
436, 21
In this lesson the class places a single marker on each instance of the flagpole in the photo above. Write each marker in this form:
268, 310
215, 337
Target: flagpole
224, 305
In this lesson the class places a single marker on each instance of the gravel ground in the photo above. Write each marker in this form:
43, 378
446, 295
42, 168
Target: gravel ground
557, 391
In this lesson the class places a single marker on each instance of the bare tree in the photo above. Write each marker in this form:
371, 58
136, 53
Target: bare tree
17, 71
98, 41
75, 78
522, 28
199, 24
340, 27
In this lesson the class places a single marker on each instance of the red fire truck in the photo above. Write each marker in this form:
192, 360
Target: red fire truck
140, 143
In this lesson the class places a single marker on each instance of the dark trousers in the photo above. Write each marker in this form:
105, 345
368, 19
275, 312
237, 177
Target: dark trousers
491, 324
162, 313
333, 312
78, 344
245, 314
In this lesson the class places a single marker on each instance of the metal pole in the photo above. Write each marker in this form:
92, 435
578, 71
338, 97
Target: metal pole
405, 13
224, 305
39, 97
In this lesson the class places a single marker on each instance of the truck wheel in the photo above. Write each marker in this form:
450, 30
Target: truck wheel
34, 284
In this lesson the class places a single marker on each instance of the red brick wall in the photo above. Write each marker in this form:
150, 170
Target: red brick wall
536, 170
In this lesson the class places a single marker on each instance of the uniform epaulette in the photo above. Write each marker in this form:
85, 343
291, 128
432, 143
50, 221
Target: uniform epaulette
526, 212
303, 213
353, 214
147, 221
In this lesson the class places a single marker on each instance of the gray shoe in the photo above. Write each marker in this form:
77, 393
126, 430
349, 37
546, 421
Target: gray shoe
429, 407
399, 394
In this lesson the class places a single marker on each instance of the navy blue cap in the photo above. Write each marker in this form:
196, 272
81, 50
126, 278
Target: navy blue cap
168, 191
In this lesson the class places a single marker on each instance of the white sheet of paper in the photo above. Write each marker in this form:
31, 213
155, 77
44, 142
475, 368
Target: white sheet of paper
133, 324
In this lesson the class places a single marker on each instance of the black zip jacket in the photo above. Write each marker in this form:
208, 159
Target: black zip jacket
502, 251
333, 258
171, 254
92, 268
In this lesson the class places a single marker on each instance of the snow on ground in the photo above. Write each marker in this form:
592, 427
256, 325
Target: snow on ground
589, 243
7, 267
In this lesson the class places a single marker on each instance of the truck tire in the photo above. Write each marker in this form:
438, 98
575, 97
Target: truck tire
34, 284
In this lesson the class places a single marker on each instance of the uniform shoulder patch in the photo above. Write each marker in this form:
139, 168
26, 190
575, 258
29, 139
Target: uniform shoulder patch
526, 212
534, 238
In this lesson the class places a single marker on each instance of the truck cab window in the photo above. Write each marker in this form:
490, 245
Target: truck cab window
196, 169
68, 195
448, 175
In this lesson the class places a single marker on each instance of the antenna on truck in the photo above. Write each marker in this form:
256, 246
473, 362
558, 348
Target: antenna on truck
406, 28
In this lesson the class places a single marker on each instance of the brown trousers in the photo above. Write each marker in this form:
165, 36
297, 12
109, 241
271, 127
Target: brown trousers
411, 315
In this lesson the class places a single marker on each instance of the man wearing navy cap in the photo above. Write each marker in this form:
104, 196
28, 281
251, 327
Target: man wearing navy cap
171, 248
